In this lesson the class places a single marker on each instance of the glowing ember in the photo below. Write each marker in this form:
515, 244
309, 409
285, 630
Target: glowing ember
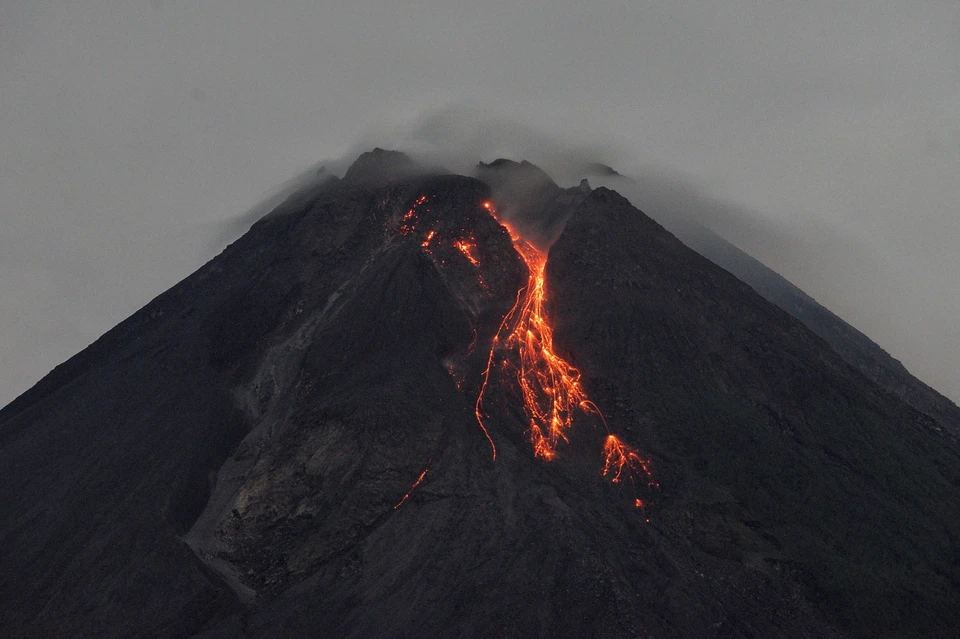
408, 222
621, 460
620, 457
426, 242
468, 249
412, 488
473, 343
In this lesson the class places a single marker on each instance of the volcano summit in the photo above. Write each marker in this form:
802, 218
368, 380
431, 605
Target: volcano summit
409, 403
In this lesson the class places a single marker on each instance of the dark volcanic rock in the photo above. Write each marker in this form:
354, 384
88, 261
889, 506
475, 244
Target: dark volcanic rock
853, 346
285, 444
783, 457
379, 167
679, 207
527, 198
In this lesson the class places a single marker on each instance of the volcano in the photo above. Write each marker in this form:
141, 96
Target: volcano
411, 403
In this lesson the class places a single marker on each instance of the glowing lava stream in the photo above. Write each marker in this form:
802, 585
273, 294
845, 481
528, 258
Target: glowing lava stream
412, 488
550, 387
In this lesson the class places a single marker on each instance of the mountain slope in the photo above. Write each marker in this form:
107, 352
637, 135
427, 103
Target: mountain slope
287, 443
812, 470
688, 213
853, 346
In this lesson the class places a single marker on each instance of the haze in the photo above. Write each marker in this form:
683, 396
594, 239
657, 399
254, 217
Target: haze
134, 137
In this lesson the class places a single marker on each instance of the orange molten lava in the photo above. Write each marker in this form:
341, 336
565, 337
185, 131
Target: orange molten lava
620, 457
408, 222
412, 488
468, 248
549, 385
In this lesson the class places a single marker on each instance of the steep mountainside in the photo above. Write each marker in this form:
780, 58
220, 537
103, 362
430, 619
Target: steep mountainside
688, 213
801, 466
290, 441
853, 346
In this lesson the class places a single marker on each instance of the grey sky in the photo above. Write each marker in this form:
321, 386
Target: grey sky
129, 133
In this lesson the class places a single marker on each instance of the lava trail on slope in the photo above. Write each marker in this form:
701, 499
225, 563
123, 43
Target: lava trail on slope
550, 391
550, 387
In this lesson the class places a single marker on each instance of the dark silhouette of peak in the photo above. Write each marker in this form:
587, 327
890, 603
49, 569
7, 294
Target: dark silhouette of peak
529, 199
380, 166
325, 431
501, 163
853, 346
521, 179
598, 168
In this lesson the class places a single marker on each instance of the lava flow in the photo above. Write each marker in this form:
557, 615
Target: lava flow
550, 386
620, 457
412, 488
467, 248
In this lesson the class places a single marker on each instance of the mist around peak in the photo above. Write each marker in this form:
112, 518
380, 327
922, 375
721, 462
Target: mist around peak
836, 266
